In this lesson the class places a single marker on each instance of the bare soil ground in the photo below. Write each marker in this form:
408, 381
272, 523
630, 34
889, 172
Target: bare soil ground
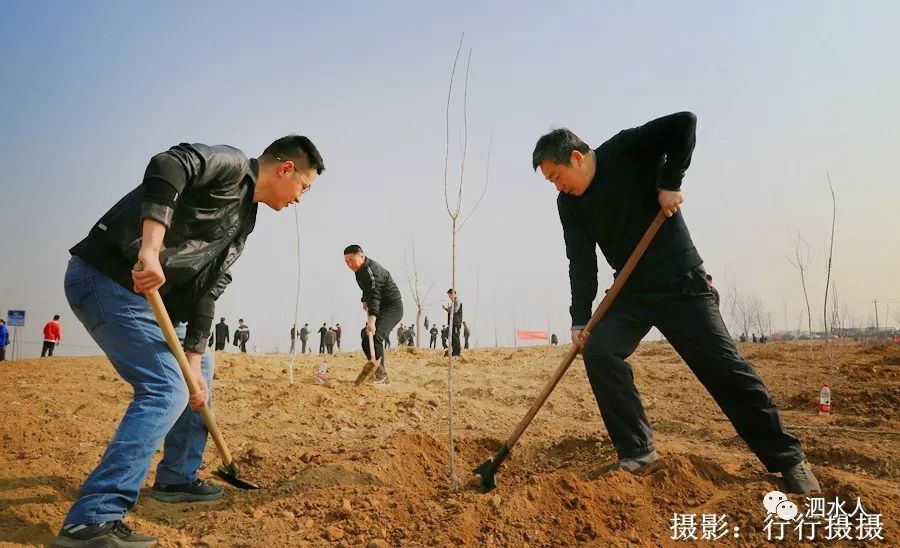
348, 466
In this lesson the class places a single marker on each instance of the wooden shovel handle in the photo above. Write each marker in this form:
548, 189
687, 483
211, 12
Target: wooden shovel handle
372, 347
165, 324
595, 319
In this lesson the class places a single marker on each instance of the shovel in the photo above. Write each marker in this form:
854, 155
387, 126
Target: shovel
228, 470
370, 366
488, 469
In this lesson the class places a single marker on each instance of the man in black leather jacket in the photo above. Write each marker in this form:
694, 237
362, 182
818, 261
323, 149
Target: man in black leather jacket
187, 223
380, 299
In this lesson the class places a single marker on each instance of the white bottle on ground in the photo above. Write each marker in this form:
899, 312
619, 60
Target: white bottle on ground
825, 400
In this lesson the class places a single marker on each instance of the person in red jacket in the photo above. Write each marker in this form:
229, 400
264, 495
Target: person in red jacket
52, 336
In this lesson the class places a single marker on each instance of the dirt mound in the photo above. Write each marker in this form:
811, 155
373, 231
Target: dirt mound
341, 465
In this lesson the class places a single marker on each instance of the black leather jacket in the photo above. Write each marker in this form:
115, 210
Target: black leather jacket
377, 286
207, 228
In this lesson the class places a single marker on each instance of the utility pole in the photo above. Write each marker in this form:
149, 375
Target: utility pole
877, 329
495, 329
515, 339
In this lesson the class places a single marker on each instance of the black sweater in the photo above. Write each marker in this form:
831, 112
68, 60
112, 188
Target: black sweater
618, 206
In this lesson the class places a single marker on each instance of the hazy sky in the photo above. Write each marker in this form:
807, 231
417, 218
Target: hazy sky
783, 90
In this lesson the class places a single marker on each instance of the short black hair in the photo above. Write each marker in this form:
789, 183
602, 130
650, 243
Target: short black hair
296, 147
223, 319
352, 249
240, 319
557, 146
709, 277
55, 317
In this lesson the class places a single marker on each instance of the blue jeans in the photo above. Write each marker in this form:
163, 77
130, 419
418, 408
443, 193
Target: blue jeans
122, 323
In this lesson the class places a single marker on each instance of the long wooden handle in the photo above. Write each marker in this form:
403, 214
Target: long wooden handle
372, 347
595, 318
165, 324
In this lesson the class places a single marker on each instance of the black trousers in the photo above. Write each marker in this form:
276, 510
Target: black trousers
391, 314
433, 342
454, 342
303, 346
684, 310
47, 350
220, 345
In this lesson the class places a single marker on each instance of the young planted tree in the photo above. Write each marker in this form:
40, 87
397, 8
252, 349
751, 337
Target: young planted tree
412, 277
801, 263
453, 211
828, 261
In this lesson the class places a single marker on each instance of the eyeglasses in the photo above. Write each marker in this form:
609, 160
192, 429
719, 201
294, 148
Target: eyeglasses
306, 184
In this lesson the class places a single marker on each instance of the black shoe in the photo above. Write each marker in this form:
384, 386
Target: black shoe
800, 479
196, 491
111, 534
636, 463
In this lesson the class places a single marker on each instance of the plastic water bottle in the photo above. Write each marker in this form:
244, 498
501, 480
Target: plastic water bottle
825, 400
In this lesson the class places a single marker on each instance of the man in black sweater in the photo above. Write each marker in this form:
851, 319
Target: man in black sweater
608, 197
380, 299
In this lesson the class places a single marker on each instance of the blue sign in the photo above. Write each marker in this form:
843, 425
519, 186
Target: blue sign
15, 318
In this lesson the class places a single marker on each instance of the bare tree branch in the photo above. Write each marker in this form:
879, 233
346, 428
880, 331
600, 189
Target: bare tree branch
830, 252
447, 151
418, 298
801, 262
487, 178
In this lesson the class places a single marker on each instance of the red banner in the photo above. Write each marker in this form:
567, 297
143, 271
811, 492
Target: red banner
529, 335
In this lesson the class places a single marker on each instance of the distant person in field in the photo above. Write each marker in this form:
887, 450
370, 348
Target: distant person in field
221, 334
411, 335
293, 339
337, 336
715, 291
52, 336
466, 335
322, 331
434, 333
754, 337
445, 334
242, 335
454, 310
387, 339
329, 341
609, 196
554, 340
4, 339
381, 301
304, 336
